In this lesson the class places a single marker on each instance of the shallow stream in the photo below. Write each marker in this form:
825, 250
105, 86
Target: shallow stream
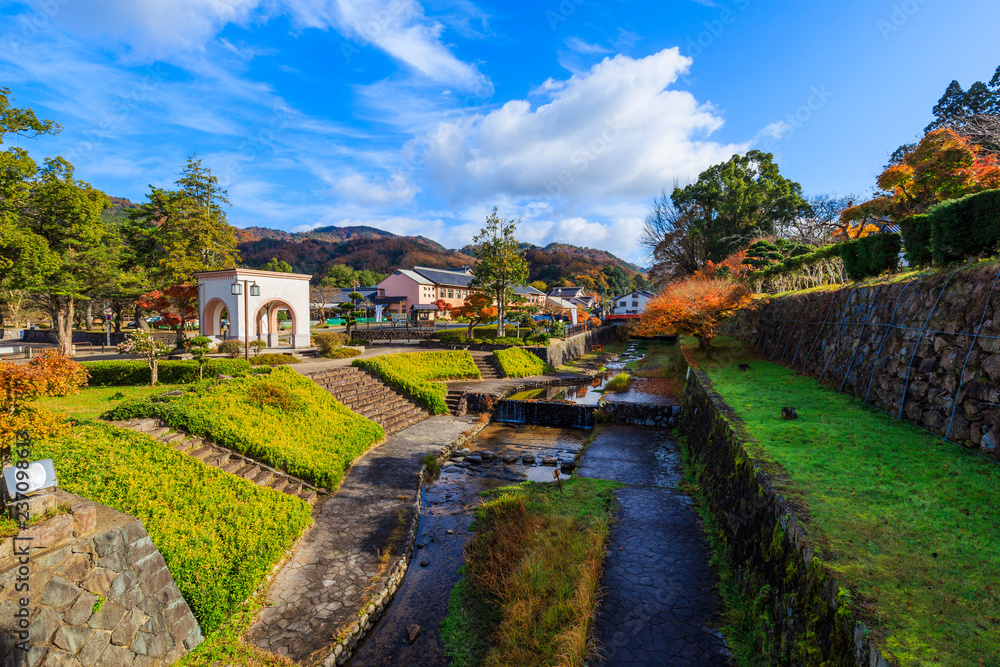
448, 504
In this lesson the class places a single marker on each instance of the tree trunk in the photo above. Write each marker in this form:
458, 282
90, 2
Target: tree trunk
119, 311
90, 316
61, 308
140, 321
153, 372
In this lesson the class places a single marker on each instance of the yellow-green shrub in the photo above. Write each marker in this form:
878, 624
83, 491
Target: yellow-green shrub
316, 439
518, 363
219, 534
414, 373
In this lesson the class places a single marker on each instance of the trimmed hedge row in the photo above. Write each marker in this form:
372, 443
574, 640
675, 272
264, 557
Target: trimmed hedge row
314, 437
419, 374
219, 534
916, 231
965, 227
130, 373
518, 363
870, 255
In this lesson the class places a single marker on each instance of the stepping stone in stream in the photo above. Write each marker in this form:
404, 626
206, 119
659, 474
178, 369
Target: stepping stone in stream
528, 459
452, 469
550, 461
510, 458
475, 458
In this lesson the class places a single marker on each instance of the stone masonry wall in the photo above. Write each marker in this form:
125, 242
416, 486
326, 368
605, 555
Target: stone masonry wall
642, 414
574, 347
790, 591
100, 594
909, 348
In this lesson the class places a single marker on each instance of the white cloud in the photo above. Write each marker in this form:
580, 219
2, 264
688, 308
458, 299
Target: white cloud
358, 188
585, 48
615, 131
173, 29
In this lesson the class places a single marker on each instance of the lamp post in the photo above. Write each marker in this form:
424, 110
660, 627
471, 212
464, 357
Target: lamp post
247, 290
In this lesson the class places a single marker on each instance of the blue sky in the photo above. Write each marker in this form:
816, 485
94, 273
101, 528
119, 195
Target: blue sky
418, 116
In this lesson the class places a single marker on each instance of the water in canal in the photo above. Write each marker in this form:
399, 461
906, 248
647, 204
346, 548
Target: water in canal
443, 532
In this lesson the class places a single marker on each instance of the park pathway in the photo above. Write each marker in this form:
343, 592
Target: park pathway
660, 603
321, 589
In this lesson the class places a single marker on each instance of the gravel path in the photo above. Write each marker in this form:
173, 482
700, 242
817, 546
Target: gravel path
659, 605
322, 586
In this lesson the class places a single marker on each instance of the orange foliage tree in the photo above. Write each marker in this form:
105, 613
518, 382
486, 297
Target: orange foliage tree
176, 304
48, 374
943, 166
478, 308
694, 306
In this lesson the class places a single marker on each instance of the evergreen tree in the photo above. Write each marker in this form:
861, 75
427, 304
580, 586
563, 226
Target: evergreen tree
501, 266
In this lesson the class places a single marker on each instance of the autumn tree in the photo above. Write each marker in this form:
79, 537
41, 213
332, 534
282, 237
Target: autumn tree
48, 374
478, 307
142, 344
501, 266
695, 306
942, 166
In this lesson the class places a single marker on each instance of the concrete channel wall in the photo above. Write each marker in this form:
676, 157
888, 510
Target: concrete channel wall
767, 544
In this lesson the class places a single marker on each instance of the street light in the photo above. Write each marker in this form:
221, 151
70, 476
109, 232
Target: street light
252, 290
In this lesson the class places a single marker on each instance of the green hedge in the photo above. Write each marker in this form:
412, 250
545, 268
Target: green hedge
965, 227
133, 372
418, 374
916, 232
220, 534
871, 255
316, 440
518, 363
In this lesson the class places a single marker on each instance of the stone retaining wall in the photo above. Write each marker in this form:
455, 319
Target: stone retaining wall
911, 349
643, 414
574, 347
100, 593
381, 599
766, 542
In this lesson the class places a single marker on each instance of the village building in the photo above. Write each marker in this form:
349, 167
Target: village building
414, 292
578, 296
633, 303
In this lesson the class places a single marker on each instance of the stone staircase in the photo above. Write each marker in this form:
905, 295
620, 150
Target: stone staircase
453, 399
368, 396
488, 367
224, 459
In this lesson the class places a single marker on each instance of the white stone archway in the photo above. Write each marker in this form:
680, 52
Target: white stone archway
215, 294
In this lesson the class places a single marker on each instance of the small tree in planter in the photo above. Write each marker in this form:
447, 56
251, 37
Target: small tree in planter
256, 346
199, 348
142, 344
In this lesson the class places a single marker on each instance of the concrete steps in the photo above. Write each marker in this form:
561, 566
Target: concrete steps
453, 400
224, 459
488, 367
363, 393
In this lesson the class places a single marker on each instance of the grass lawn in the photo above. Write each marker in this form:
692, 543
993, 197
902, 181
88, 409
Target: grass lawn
518, 363
219, 534
281, 419
92, 402
909, 523
421, 375
531, 580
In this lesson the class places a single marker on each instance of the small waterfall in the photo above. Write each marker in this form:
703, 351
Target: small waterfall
546, 413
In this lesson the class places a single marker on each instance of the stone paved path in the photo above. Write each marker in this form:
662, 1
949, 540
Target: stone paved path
321, 588
660, 604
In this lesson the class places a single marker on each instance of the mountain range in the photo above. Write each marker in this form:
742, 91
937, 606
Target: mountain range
368, 248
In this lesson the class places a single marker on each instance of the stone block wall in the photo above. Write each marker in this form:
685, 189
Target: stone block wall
794, 595
925, 350
574, 347
643, 414
100, 594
